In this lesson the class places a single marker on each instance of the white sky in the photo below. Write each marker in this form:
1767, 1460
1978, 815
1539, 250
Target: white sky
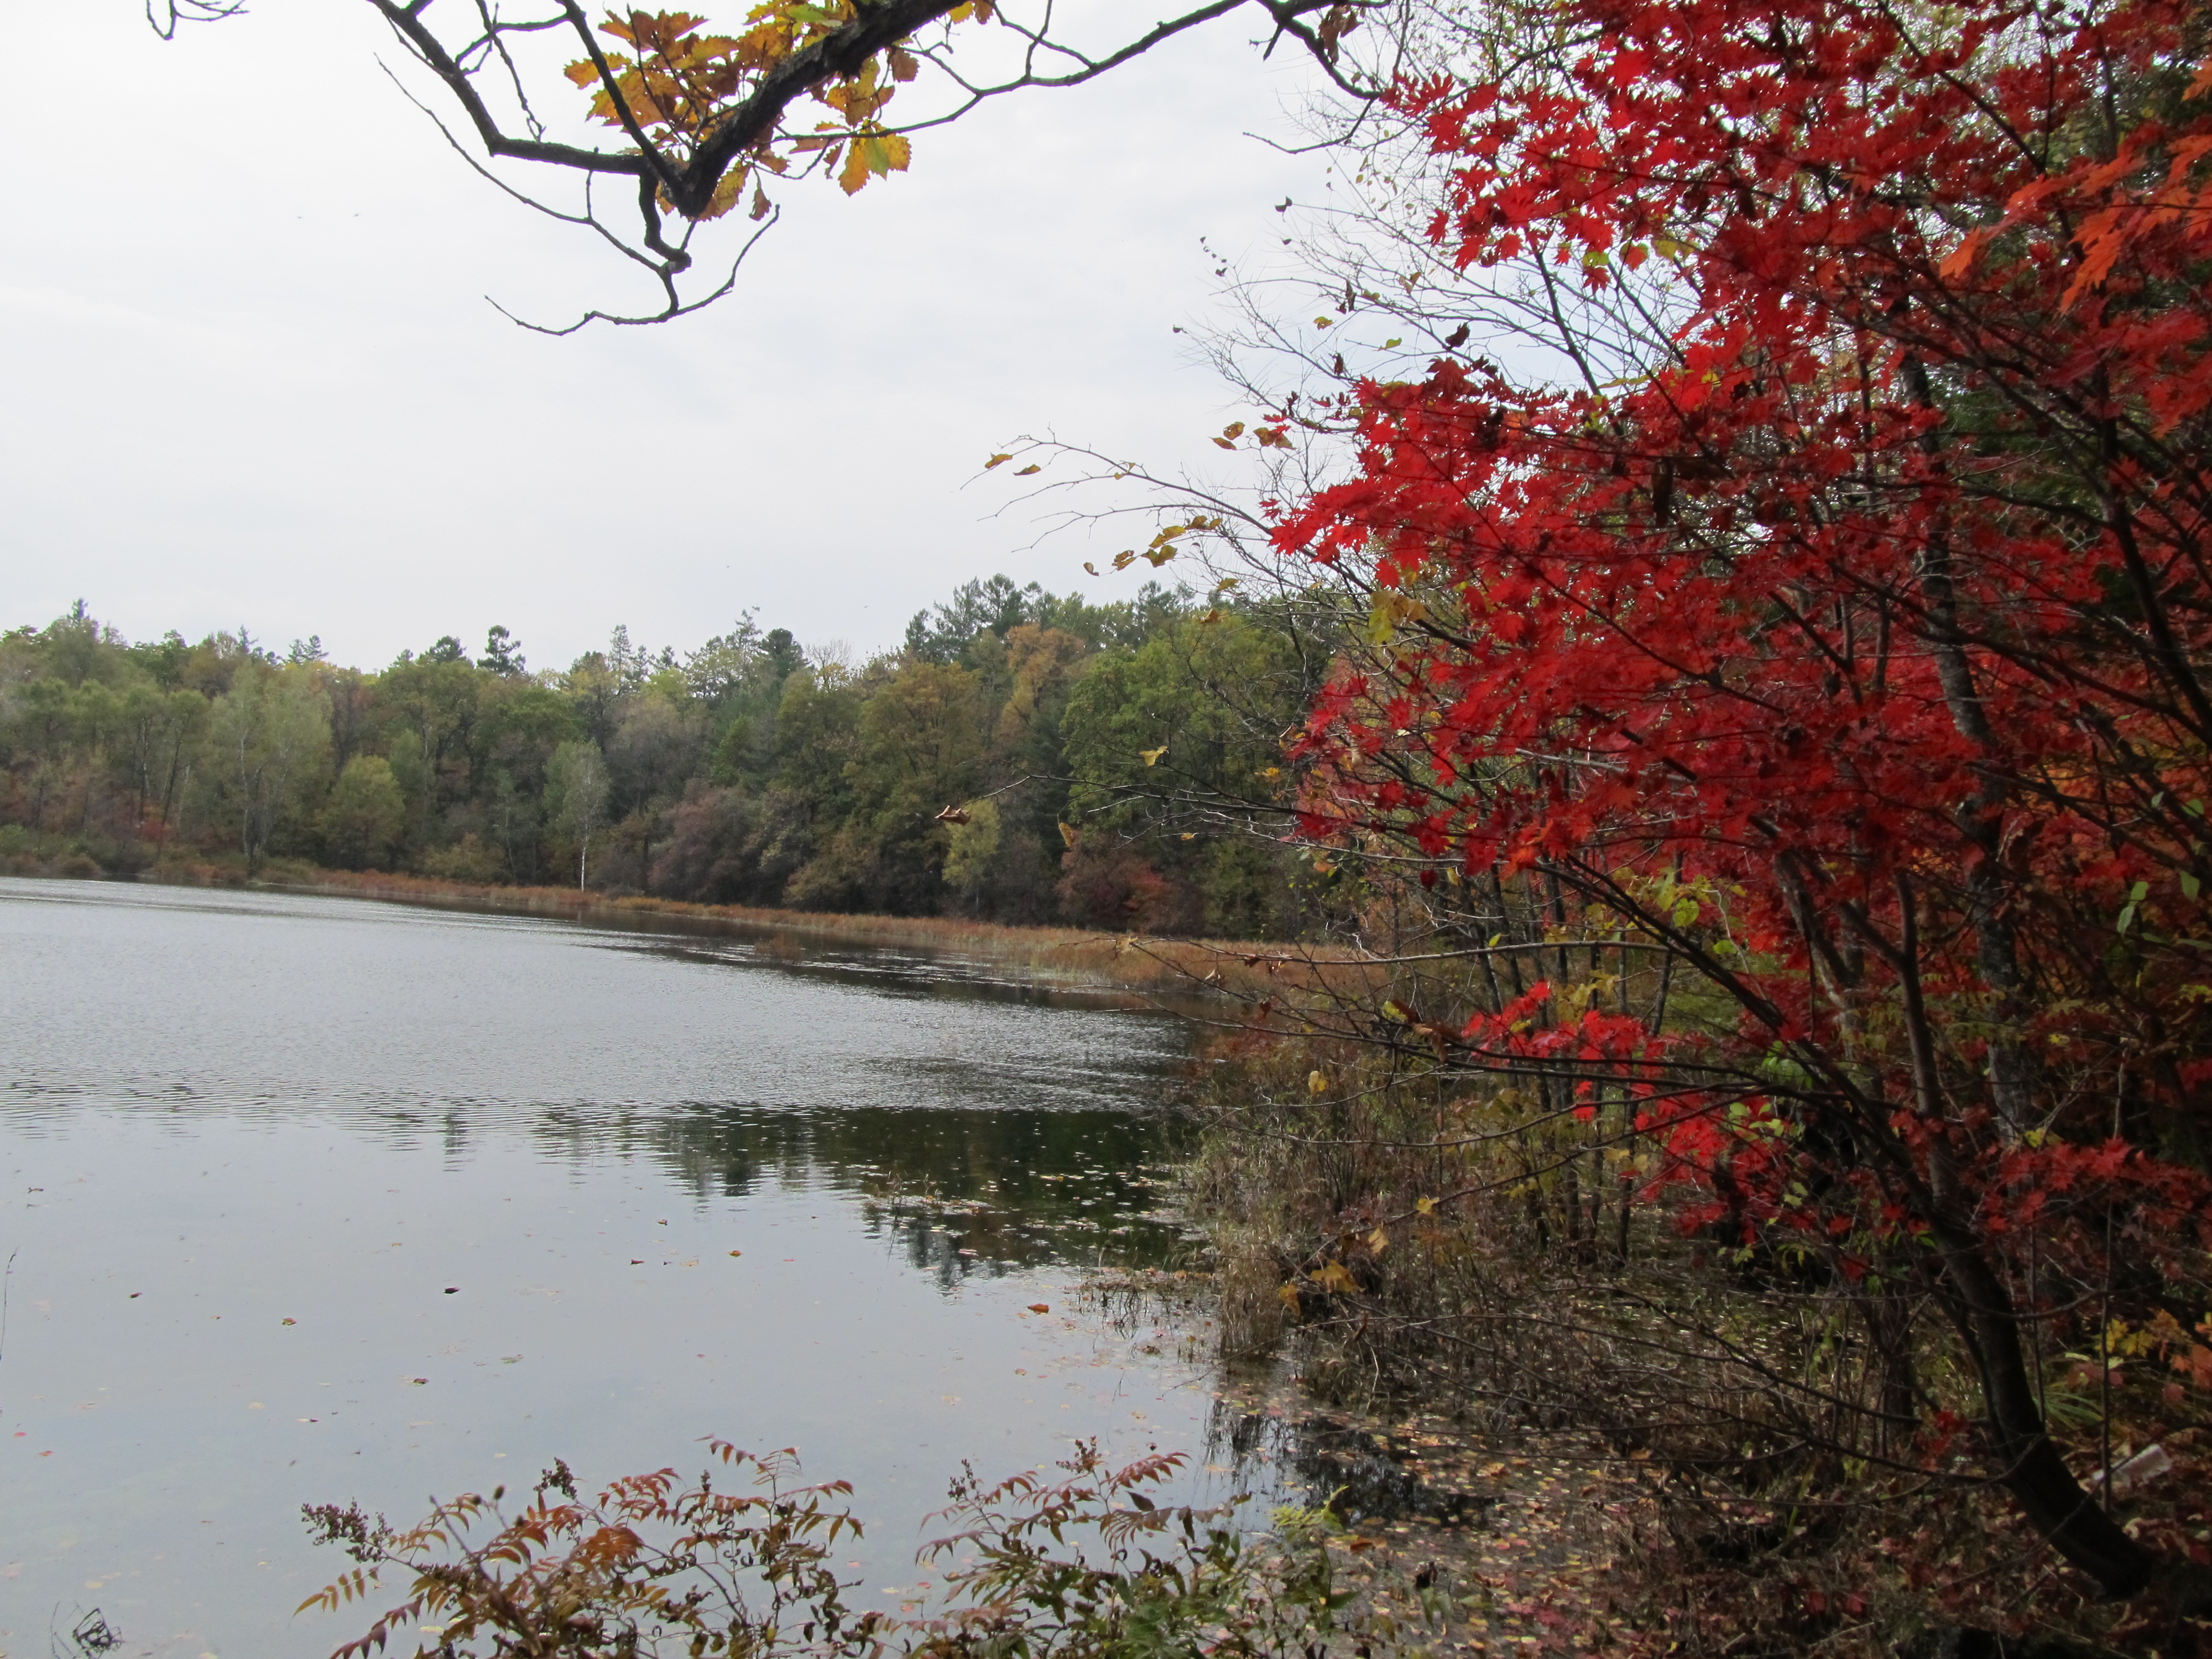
247, 373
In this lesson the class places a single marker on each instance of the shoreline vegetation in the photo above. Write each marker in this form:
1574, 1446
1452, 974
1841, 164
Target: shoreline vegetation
1139, 962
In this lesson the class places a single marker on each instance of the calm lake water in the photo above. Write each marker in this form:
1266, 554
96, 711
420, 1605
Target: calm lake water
313, 1199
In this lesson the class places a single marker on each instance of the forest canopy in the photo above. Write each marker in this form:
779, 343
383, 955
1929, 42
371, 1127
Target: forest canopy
994, 768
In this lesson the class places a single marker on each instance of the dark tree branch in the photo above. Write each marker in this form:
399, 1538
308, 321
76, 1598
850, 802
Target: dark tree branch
164, 16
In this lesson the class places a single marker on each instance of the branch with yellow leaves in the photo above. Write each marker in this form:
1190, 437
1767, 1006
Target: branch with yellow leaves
702, 118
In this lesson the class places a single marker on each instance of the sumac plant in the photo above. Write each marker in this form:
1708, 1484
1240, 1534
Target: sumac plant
1087, 1565
652, 1565
1838, 674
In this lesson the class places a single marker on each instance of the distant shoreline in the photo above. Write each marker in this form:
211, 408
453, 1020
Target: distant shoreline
1134, 962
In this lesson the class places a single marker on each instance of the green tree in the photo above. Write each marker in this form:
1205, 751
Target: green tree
429, 704
158, 730
577, 789
267, 737
1176, 751
366, 814
971, 853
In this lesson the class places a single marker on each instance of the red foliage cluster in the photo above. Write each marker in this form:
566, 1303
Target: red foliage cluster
1852, 651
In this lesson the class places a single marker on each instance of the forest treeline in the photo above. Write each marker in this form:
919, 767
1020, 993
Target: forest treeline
1024, 757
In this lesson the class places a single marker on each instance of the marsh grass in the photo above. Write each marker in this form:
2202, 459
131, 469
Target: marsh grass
1398, 1240
1194, 969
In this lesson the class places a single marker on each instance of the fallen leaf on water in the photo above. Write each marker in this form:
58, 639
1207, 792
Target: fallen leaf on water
452, 1290
1040, 1307
736, 1252
291, 1321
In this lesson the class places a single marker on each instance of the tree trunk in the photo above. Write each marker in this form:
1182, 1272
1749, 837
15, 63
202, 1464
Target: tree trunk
2030, 1467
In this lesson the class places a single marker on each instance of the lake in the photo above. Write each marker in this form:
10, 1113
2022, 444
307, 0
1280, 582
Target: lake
311, 1199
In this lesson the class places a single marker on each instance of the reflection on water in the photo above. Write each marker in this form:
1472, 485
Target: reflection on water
313, 1199
959, 1189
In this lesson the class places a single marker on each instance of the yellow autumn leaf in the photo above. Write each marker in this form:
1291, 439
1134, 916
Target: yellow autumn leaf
996, 460
873, 153
1152, 757
1024, 473
1378, 1241
727, 194
1317, 1082
1425, 1205
854, 173
1335, 1278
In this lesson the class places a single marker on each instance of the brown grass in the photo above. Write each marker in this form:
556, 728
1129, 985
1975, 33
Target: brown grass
1131, 961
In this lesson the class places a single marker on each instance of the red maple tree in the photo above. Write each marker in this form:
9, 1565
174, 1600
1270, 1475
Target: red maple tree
1854, 655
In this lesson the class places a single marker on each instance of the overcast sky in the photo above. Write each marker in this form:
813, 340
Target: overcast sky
248, 375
